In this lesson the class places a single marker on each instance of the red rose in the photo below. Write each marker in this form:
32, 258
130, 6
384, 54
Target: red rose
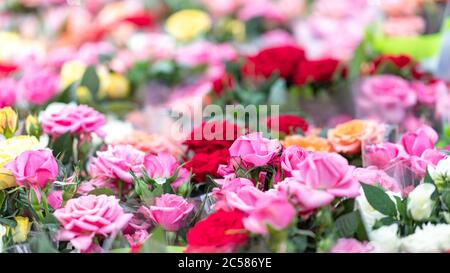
281, 59
203, 164
221, 231
222, 83
316, 71
288, 123
6, 69
399, 61
212, 136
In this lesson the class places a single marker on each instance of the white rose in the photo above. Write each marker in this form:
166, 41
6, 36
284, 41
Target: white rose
385, 239
429, 238
441, 172
420, 205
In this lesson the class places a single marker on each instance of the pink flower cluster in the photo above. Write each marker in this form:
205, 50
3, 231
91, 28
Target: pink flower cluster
59, 119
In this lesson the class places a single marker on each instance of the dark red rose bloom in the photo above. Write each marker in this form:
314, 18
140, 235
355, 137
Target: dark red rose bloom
222, 83
281, 59
221, 231
399, 62
288, 123
315, 71
212, 136
203, 164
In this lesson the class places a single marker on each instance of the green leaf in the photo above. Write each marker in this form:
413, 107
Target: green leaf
2, 198
156, 243
427, 178
379, 200
91, 80
8, 222
42, 244
401, 206
386, 221
62, 146
347, 224
175, 249
101, 191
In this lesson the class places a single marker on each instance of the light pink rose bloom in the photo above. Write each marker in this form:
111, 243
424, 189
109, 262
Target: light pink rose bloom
84, 217
271, 210
39, 86
254, 149
345, 245
382, 154
34, 169
386, 97
8, 92
278, 10
221, 7
137, 239
373, 176
318, 180
244, 199
415, 143
116, 163
290, 158
428, 93
276, 38
204, 52
412, 123
164, 166
339, 9
55, 199
89, 53
404, 26
170, 211
59, 119
230, 185
429, 157
400, 7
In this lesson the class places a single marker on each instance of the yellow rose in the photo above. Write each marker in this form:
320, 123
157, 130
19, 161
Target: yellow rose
8, 121
32, 126
20, 232
237, 28
9, 150
118, 87
187, 24
72, 71
83, 94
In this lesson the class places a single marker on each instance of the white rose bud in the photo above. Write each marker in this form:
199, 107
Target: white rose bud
420, 204
441, 172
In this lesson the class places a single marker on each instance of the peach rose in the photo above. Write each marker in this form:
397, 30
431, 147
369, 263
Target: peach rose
347, 137
310, 143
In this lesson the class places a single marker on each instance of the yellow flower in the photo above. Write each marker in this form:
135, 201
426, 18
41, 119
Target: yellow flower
8, 121
9, 150
83, 94
118, 87
72, 71
20, 232
187, 24
32, 126
237, 28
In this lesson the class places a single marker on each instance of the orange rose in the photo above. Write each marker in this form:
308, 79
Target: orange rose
310, 143
347, 137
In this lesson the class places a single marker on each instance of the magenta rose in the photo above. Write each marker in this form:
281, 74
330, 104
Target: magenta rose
290, 158
163, 166
59, 119
116, 162
170, 211
254, 149
34, 169
415, 143
84, 217
318, 180
8, 92
386, 97
382, 154
38, 87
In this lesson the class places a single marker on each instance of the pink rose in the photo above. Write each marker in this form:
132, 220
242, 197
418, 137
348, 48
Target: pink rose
244, 199
428, 93
429, 157
415, 143
170, 211
55, 199
8, 95
204, 52
164, 166
373, 176
386, 97
59, 119
270, 210
221, 7
116, 162
137, 239
345, 245
84, 217
34, 169
254, 149
318, 180
290, 158
381, 155
404, 26
39, 86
